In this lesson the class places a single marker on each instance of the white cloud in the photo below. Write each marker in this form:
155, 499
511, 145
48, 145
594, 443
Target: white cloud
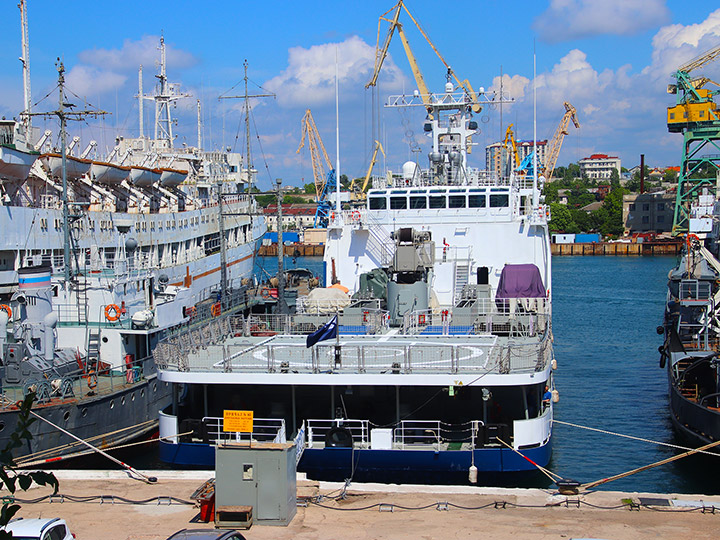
675, 44
566, 20
309, 78
132, 54
92, 81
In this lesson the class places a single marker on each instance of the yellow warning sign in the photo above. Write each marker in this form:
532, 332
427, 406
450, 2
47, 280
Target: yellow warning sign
238, 421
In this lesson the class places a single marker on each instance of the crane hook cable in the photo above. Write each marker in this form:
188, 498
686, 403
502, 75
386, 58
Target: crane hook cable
652, 465
131, 471
606, 432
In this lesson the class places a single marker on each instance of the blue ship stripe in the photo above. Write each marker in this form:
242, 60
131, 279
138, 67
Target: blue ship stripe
39, 279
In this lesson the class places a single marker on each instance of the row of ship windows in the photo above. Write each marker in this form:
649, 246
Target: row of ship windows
415, 202
140, 226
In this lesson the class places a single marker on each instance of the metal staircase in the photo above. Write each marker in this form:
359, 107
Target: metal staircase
462, 278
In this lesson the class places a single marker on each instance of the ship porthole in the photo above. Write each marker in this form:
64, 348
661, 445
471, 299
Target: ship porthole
112, 404
132, 397
142, 393
2, 425
66, 416
122, 401
83, 413
155, 387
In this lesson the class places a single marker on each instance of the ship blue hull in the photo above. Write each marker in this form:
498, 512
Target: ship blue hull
406, 466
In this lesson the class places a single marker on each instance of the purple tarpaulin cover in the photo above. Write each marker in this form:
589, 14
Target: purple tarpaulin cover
520, 281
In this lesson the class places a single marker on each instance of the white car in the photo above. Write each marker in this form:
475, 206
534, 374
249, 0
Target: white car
39, 529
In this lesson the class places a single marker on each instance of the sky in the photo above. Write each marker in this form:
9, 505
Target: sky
611, 59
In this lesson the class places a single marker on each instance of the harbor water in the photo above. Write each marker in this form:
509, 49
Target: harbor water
605, 312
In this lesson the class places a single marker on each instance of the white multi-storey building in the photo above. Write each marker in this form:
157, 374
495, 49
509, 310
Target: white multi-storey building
599, 166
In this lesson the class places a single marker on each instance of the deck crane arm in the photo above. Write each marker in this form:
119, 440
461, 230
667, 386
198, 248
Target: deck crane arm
381, 54
557, 140
359, 194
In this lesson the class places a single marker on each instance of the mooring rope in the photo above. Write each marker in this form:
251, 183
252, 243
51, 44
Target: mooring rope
606, 432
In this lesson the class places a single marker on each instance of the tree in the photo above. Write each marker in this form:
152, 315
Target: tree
10, 477
561, 219
670, 176
610, 213
309, 188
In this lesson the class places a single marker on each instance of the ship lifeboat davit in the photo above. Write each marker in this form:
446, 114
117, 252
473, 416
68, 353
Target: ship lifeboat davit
144, 177
172, 177
108, 173
15, 164
75, 167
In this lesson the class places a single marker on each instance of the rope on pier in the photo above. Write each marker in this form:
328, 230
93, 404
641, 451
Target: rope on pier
606, 432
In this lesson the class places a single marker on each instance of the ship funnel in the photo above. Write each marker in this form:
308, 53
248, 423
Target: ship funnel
35, 293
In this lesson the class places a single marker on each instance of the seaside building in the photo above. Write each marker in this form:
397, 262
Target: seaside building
295, 217
643, 212
494, 153
599, 166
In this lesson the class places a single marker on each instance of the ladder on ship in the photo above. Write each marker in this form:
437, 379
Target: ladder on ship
92, 360
81, 298
462, 278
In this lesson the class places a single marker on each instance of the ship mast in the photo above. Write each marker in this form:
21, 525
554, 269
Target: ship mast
64, 115
25, 59
246, 97
165, 96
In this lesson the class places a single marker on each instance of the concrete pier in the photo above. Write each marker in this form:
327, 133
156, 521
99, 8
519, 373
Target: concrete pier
376, 511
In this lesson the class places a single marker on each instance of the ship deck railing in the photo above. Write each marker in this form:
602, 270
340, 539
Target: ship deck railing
109, 379
694, 292
221, 347
407, 434
514, 317
263, 430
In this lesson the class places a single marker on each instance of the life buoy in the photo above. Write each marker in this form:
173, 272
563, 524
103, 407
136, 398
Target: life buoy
356, 215
7, 309
365, 316
692, 238
421, 318
112, 312
216, 309
92, 379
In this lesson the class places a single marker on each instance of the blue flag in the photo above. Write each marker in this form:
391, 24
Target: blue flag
327, 331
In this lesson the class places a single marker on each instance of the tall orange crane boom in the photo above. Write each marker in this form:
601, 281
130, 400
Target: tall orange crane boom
309, 130
557, 140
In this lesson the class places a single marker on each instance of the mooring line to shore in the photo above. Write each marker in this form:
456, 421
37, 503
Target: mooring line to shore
131, 471
606, 432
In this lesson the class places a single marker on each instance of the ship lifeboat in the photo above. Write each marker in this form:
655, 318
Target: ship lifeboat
15, 164
144, 177
108, 173
75, 167
172, 177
